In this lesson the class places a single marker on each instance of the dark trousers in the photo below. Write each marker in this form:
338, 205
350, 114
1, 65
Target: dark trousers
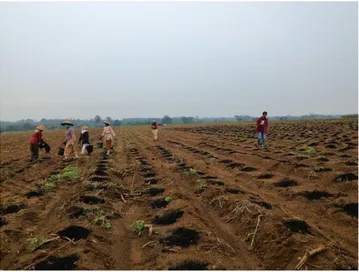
34, 149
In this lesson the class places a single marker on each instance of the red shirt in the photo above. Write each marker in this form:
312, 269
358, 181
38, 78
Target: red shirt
36, 138
154, 125
262, 125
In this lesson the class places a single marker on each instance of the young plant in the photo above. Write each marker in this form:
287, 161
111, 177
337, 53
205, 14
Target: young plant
48, 186
36, 243
68, 173
202, 186
103, 222
168, 199
310, 151
139, 226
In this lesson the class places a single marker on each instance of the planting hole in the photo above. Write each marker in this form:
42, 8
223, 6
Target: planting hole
215, 182
351, 163
263, 204
346, 177
225, 161
14, 208
190, 265
155, 191
99, 179
249, 169
316, 195
34, 194
265, 176
234, 191
297, 226
100, 173
151, 181
149, 175
74, 233
235, 165
55, 263
2, 222
181, 237
351, 209
158, 203
286, 183
323, 169
91, 200
168, 218
209, 177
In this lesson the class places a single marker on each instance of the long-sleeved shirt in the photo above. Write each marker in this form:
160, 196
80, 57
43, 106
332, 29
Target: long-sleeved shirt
84, 137
108, 133
70, 135
36, 138
262, 125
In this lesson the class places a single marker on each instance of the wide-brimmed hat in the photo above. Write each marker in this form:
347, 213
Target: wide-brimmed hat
84, 127
67, 122
41, 127
107, 122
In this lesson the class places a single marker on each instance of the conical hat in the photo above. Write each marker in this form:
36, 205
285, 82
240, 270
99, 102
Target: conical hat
107, 122
41, 127
67, 122
85, 127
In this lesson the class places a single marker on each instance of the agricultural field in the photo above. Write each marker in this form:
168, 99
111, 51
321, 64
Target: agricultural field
201, 197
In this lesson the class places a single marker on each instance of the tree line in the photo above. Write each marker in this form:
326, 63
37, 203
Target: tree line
29, 124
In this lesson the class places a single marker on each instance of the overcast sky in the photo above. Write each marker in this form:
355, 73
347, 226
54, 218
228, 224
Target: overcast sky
124, 60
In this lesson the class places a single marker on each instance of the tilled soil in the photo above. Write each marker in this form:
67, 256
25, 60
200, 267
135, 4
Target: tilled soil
208, 197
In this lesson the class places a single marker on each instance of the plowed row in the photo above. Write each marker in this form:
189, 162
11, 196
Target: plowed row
210, 199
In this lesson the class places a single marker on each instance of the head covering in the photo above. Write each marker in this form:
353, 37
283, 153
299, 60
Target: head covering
107, 123
41, 127
84, 127
67, 122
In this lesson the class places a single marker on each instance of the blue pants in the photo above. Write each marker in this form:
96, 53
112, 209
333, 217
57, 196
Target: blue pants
261, 138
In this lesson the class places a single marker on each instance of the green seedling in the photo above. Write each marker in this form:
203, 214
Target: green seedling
168, 199
112, 169
103, 222
310, 151
68, 173
139, 226
202, 186
48, 186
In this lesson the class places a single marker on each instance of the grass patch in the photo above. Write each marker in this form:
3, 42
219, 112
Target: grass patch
202, 186
190, 171
48, 186
37, 243
68, 173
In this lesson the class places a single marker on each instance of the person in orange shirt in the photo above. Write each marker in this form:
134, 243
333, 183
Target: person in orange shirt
35, 141
108, 134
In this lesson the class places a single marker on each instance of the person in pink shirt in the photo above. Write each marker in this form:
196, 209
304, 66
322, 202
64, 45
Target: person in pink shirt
70, 149
108, 134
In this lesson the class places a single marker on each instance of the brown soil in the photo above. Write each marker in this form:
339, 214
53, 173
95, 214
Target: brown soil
202, 189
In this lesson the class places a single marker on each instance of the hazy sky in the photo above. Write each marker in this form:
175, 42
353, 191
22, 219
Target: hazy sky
149, 59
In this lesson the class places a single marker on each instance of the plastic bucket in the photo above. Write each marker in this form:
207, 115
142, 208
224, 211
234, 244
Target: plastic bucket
61, 151
89, 149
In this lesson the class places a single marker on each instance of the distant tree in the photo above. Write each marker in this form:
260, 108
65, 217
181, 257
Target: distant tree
97, 120
116, 123
166, 120
238, 118
187, 120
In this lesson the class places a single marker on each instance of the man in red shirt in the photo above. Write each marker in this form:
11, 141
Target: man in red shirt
262, 130
154, 130
35, 140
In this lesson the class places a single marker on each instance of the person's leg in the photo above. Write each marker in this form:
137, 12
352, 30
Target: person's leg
155, 135
264, 140
67, 151
33, 152
108, 146
259, 136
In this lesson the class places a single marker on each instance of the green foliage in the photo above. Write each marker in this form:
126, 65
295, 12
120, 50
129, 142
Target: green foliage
190, 171
310, 151
48, 186
68, 173
139, 225
103, 222
202, 186
168, 199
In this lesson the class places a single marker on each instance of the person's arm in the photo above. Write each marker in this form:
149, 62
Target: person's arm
39, 137
112, 132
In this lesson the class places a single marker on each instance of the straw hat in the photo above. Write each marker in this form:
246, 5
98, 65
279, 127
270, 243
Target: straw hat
41, 127
85, 127
107, 122
67, 122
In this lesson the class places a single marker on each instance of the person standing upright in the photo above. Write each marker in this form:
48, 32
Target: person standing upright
108, 134
84, 139
70, 136
262, 130
154, 127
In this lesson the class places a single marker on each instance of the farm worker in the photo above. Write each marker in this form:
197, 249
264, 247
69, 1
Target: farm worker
84, 139
154, 130
108, 134
262, 129
70, 140
35, 141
